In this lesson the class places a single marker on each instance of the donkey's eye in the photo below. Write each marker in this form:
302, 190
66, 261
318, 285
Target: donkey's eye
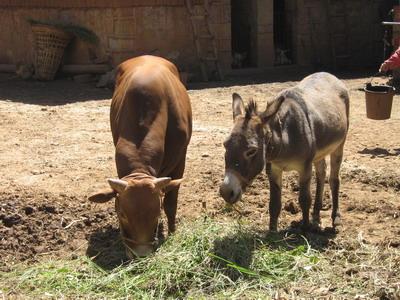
251, 152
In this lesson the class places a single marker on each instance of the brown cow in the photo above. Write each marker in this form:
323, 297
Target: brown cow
151, 124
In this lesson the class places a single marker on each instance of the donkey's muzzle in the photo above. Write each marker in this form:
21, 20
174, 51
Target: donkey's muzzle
230, 188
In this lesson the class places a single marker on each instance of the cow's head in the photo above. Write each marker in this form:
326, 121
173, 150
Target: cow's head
138, 202
244, 148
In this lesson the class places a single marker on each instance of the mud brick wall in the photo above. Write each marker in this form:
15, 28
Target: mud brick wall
125, 28
311, 27
128, 28
265, 33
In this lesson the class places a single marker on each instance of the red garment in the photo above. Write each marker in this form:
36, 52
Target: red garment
393, 61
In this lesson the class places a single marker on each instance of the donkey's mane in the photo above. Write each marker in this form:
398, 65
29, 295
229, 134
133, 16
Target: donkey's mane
251, 109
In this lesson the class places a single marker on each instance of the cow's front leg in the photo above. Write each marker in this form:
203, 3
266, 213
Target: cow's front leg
275, 186
171, 197
305, 194
170, 205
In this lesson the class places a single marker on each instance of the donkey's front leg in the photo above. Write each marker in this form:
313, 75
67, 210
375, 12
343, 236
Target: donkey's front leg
305, 194
275, 187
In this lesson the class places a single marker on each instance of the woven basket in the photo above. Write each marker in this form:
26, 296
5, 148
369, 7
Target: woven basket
50, 43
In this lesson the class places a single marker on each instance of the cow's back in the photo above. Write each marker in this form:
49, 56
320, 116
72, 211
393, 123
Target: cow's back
150, 111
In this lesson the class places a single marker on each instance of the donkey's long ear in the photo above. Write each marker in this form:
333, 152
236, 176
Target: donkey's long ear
237, 105
272, 108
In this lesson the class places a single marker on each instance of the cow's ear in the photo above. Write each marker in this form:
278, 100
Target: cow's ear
102, 196
173, 184
272, 108
117, 185
237, 105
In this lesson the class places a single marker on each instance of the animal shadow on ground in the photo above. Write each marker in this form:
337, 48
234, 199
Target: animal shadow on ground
106, 249
239, 248
380, 152
57, 92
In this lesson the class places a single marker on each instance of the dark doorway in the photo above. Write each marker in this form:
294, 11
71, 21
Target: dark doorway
282, 32
243, 33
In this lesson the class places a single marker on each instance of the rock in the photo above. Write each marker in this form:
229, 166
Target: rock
29, 210
107, 80
24, 71
48, 208
87, 222
38, 249
291, 207
12, 220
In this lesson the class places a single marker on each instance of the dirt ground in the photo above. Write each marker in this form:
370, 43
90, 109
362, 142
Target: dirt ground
56, 149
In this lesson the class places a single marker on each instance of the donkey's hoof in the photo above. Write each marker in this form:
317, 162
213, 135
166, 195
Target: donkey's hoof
273, 226
273, 230
316, 221
315, 227
294, 230
337, 221
295, 224
300, 225
331, 230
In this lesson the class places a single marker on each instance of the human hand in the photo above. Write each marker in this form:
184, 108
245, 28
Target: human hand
384, 68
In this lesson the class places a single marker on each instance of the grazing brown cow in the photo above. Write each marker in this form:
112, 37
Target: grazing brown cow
151, 124
299, 128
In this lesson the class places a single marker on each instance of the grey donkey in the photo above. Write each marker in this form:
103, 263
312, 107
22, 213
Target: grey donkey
298, 129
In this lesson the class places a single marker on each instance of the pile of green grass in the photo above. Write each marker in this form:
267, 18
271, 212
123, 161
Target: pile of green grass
211, 259
203, 259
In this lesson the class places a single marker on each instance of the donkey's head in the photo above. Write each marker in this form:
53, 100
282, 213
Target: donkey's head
244, 148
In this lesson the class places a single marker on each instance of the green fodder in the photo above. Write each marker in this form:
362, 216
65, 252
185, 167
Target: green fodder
205, 258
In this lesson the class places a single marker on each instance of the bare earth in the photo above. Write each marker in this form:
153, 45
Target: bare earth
56, 149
